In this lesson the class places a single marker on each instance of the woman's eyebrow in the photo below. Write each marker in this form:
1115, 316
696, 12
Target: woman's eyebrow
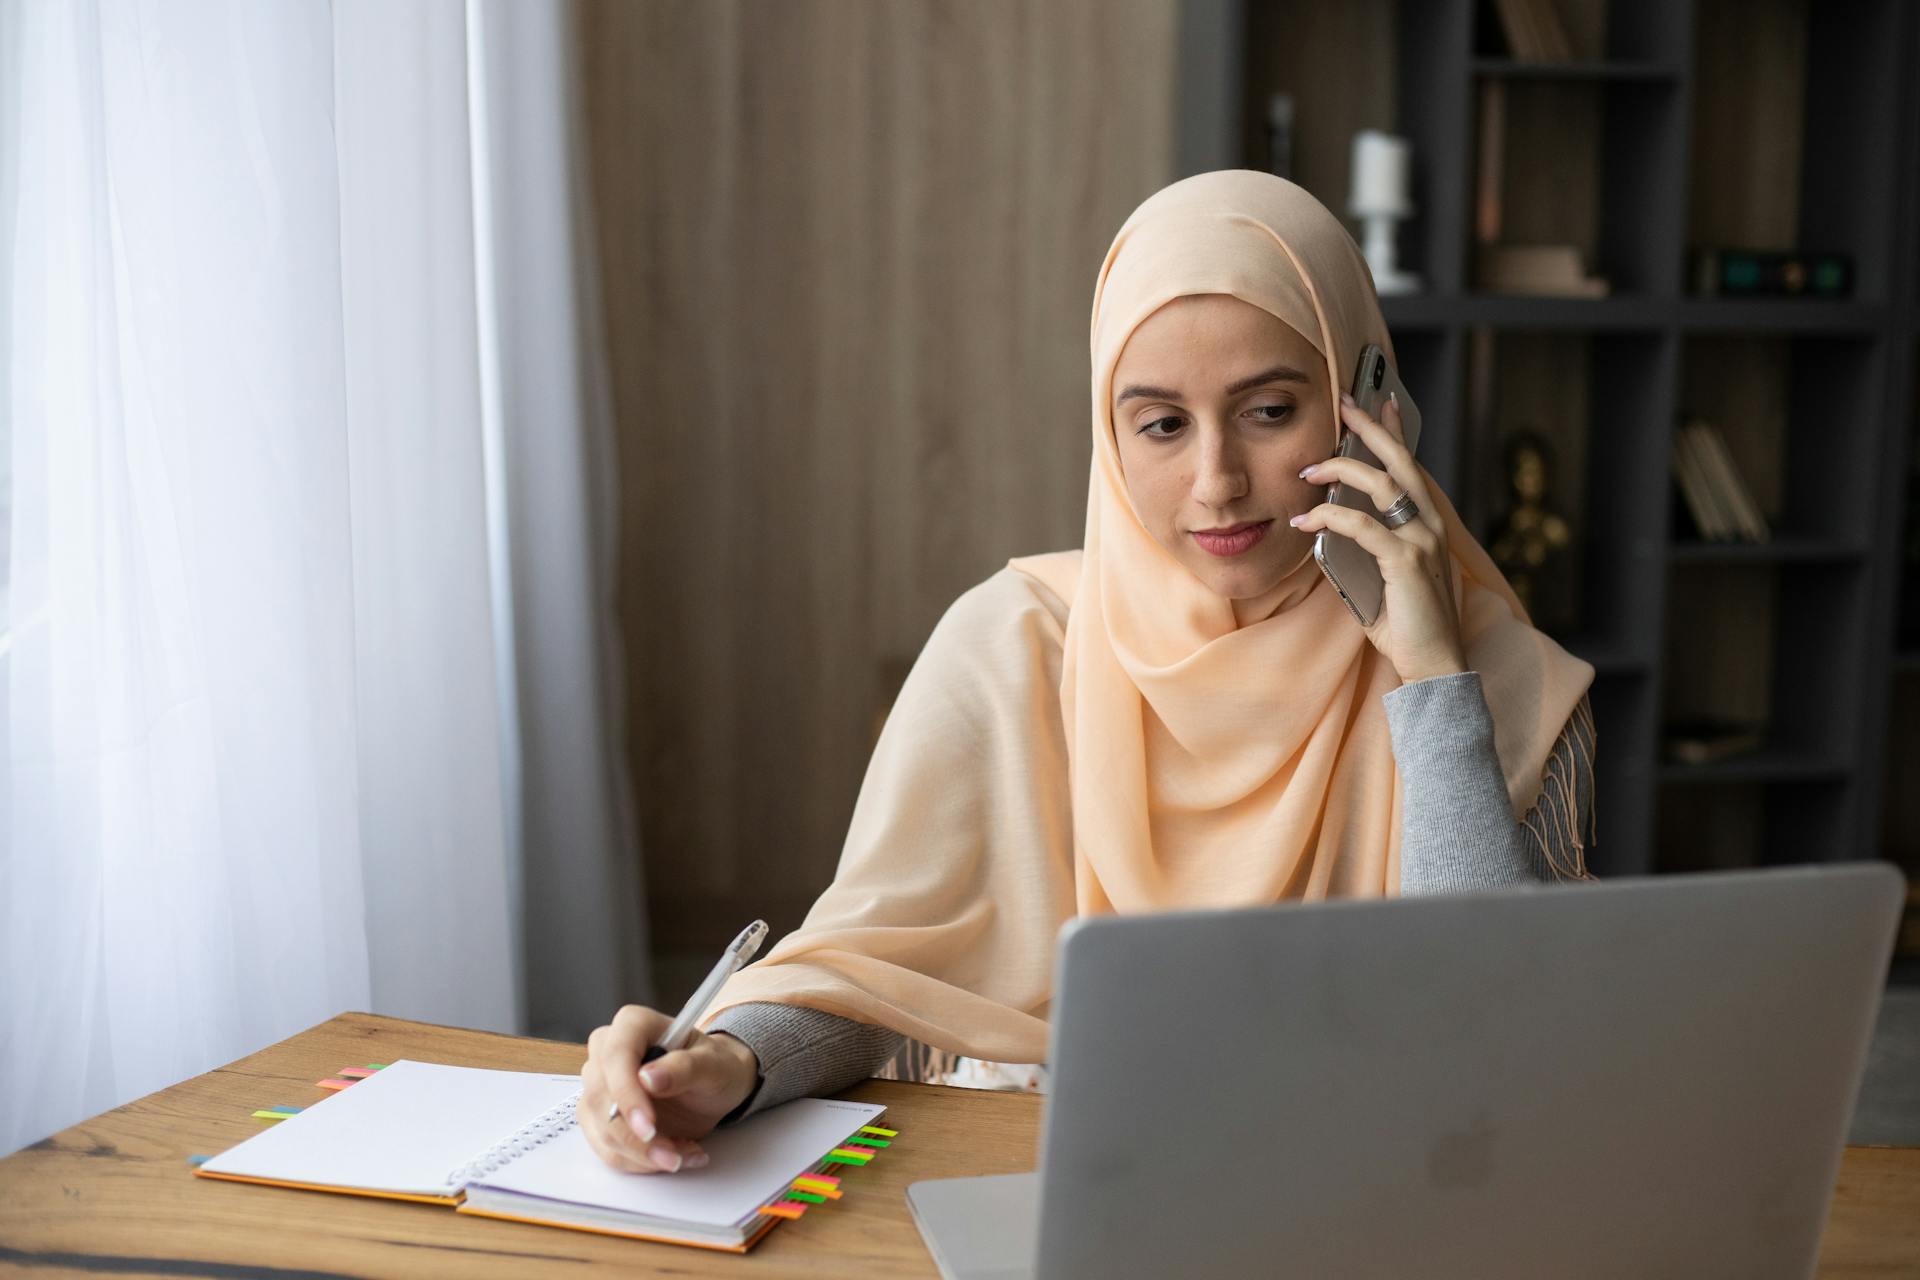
1279, 373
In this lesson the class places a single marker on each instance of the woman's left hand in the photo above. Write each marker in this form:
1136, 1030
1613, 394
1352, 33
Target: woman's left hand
1419, 625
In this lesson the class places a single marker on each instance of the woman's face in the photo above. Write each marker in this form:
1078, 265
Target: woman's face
1217, 406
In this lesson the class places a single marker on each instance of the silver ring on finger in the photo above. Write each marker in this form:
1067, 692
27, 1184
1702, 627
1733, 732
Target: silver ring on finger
1403, 510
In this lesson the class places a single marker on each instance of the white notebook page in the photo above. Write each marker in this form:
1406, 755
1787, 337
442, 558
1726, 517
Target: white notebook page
748, 1166
404, 1128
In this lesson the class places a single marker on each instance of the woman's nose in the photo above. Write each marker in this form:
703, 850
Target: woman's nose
1221, 476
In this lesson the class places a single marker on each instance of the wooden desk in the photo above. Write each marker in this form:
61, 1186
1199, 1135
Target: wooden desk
116, 1194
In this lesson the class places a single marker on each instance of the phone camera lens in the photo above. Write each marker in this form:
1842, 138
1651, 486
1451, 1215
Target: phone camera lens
1379, 373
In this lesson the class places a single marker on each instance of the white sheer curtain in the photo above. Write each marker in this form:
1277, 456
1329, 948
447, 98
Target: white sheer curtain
257, 660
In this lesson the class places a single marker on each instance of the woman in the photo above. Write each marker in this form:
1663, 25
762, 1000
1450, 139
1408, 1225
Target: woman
1181, 714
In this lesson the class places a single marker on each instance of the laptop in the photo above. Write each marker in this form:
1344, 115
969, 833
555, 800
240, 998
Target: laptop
1634, 1077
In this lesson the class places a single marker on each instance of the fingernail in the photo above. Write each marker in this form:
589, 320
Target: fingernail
1295, 522
1393, 398
697, 1160
651, 1078
1309, 470
642, 1127
668, 1159
1346, 397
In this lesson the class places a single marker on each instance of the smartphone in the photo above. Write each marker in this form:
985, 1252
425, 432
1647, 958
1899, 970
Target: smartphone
1349, 566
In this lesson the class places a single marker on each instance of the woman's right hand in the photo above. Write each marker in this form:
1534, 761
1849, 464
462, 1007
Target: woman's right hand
665, 1106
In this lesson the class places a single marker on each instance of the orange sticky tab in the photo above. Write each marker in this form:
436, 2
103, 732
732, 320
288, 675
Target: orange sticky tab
783, 1210
335, 1083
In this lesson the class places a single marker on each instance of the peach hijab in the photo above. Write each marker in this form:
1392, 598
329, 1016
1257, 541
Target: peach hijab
1211, 761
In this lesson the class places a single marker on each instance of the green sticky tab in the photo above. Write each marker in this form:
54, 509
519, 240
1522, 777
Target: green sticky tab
376, 1065
844, 1160
868, 1142
808, 1196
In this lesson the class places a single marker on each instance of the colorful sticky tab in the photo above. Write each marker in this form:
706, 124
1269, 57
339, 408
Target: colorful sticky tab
271, 1115
816, 1182
292, 1111
358, 1073
853, 1151
840, 1159
818, 1188
878, 1132
784, 1210
376, 1066
335, 1083
197, 1161
809, 1196
867, 1142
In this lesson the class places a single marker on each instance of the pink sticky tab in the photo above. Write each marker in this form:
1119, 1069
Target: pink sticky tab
334, 1083
356, 1073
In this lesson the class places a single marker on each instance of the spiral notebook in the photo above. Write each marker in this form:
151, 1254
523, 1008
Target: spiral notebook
506, 1144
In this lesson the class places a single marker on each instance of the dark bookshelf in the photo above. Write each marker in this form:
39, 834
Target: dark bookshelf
1761, 124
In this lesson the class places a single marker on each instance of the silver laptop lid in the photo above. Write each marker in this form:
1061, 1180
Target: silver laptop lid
1648, 1076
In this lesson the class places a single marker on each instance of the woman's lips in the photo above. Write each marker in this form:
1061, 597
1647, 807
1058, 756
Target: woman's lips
1234, 540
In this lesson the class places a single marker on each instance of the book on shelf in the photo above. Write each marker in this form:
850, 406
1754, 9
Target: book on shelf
1758, 273
1544, 269
1489, 175
1721, 505
1908, 943
1708, 519
1705, 741
1534, 30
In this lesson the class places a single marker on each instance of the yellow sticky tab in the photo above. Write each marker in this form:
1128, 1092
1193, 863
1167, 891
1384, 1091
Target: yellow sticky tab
271, 1115
878, 1132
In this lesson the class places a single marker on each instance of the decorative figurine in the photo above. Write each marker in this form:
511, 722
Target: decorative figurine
1533, 535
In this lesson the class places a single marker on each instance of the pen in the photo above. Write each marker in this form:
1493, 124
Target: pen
738, 952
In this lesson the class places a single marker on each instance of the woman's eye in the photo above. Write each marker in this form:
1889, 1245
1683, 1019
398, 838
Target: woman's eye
1161, 428
1280, 412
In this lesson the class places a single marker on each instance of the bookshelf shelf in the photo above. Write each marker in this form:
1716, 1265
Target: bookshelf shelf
1633, 72
1770, 765
1783, 316
1677, 124
1527, 311
1786, 316
1778, 551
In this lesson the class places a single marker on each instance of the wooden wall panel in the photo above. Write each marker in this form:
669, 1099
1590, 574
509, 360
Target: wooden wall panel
848, 250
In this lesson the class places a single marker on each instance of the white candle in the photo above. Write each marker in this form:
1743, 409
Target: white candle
1379, 174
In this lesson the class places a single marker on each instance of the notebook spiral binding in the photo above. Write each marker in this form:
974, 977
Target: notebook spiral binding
549, 1124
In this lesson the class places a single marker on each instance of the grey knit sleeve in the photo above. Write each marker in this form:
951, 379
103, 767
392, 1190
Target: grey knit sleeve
803, 1052
1458, 833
